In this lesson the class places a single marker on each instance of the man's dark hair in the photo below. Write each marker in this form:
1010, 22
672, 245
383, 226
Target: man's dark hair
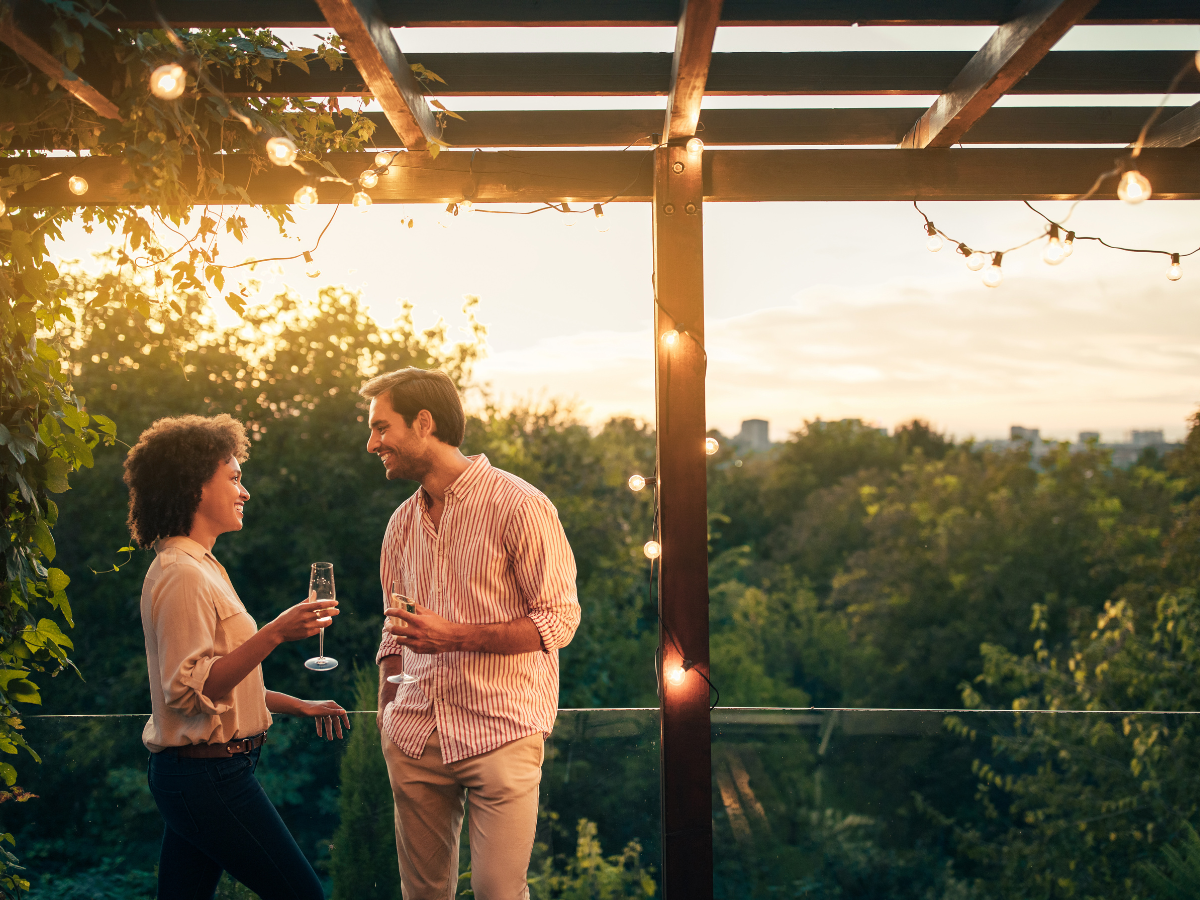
412, 390
168, 466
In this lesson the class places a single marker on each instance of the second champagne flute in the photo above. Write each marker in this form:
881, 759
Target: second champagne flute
321, 584
400, 601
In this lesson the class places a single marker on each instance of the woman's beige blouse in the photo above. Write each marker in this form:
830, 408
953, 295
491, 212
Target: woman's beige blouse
192, 616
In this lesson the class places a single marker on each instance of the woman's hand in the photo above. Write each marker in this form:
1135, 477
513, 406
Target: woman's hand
327, 715
303, 620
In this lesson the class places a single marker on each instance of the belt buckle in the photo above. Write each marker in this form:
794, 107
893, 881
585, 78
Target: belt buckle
246, 746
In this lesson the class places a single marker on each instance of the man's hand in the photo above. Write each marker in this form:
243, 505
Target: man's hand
424, 631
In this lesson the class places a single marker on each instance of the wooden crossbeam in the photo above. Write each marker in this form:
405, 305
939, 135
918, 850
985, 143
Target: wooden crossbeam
1179, 130
729, 176
488, 13
689, 66
17, 30
1007, 57
384, 69
866, 72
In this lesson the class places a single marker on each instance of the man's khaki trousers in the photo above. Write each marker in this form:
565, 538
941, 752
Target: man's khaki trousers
503, 789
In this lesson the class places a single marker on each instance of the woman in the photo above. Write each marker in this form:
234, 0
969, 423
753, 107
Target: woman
211, 710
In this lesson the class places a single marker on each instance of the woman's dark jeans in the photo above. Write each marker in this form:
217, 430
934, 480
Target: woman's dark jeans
219, 818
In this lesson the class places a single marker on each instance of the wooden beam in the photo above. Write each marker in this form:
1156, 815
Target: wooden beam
488, 13
867, 72
736, 176
18, 30
384, 69
689, 66
685, 751
1180, 130
1007, 57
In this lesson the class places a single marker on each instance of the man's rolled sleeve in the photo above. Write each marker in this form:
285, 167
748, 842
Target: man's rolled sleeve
388, 646
545, 569
186, 643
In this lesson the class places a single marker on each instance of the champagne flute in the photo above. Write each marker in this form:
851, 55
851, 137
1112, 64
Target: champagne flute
321, 584
400, 601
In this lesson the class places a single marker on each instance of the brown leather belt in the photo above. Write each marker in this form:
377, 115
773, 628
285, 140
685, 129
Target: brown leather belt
221, 751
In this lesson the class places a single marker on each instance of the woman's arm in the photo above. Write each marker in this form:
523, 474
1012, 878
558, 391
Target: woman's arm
325, 713
301, 621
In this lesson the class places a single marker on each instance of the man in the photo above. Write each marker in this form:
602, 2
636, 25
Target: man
483, 554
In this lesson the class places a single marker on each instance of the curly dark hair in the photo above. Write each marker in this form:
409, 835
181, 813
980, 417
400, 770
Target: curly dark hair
167, 469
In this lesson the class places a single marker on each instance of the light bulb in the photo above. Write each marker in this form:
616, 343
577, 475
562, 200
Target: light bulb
670, 338
465, 206
652, 549
167, 82
934, 242
1053, 253
992, 276
1134, 187
368, 178
602, 224
449, 214
1198, 59
636, 483
711, 446
676, 675
976, 260
695, 146
310, 266
306, 196
1174, 273
1069, 243
281, 151
382, 159
78, 185
361, 201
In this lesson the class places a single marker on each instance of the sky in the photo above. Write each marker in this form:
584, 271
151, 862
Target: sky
813, 310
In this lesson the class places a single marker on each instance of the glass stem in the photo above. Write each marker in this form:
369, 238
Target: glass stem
321, 644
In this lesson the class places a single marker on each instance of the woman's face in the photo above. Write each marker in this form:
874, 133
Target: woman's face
222, 500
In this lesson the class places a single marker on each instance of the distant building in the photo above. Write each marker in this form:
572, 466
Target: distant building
755, 435
1146, 438
1087, 437
1124, 454
1020, 433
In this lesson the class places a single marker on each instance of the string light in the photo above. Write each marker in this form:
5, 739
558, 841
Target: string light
652, 549
361, 201
382, 159
602, 224
711, 446
1069, 244
306, 196
1053, 253
636, 483
695, 146
167, 82
1134, 187
677, 673
934, 242
670, 337
78, 185
281, 151
310, 267
976, 260
368, 178
993, 275
465, 206
448, 215
1174, 271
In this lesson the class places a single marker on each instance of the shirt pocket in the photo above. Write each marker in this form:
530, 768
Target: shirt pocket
237, 625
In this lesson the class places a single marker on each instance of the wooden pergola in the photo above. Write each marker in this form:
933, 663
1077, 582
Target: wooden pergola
815, 154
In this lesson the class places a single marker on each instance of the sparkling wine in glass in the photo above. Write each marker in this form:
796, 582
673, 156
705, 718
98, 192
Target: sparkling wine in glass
321, 584
399, 600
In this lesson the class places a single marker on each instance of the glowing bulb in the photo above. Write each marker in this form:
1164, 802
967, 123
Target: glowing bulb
711, 446
1134, 187
281, 151
993, 276
652, 549
306, 196
934, 242
695, 146
676, 675
1069, 243
361, 201
466, 206
670, 338
976, 260
446, 219
1053, 253
78, 185
1174, 273
636, 483
368, 178
310, 267
383, 159
1198, 59
167, 82
601, 222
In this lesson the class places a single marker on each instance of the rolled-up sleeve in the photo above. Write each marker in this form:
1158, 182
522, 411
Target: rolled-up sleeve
185, 631
388, 645
545, 569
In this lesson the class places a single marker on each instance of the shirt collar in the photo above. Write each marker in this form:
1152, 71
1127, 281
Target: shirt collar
186, 544
461, 486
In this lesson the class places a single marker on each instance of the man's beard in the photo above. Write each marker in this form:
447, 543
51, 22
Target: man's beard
408, 468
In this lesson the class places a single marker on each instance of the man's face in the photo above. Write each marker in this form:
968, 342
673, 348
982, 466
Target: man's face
223, 498
405, 454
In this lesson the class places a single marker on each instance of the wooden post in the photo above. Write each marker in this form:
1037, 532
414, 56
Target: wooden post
685, 755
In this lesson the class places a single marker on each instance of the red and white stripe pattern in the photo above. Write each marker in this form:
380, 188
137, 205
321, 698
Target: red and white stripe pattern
499, 554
